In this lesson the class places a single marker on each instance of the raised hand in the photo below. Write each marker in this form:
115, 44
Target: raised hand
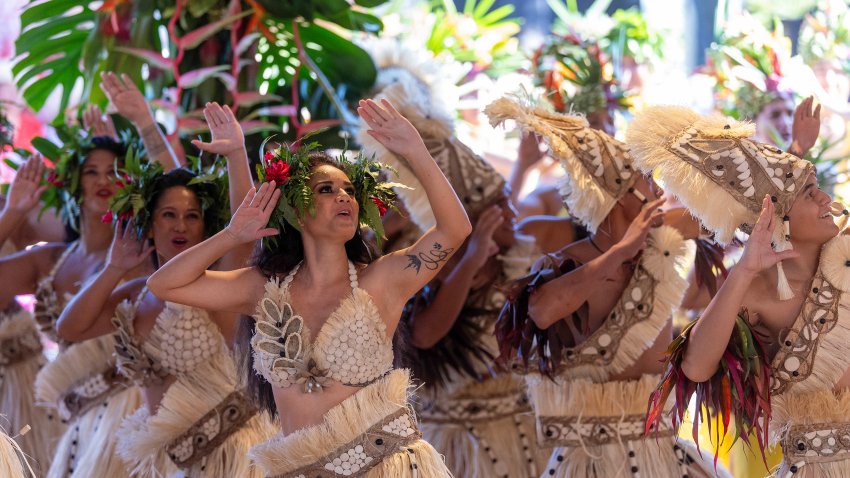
634, 240
758, 252
25, 191
481, 245
391, 129
529, 151
227, 137
97, 123
249, 222
126, 98
127, 251
806, 127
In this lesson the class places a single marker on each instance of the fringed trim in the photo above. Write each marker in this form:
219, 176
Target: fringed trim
519, 259
76, 364
340, 425
13, 462
584, 198
812, 428
19, 339
491, 399
584, 398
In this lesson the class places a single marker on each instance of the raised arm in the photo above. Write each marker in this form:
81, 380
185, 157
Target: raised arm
806, 128
528, 155
131, 104
433, 323
186, 278
23, 196
551, 302
89, 314
714, 327
415, 266
98, 124
228, 141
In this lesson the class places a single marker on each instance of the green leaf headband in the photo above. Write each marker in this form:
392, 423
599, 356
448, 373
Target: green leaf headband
290, 169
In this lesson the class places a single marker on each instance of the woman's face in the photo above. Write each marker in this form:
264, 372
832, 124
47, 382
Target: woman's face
97, 181
178, 222
811, 221
646, 186
337, 211
776, 120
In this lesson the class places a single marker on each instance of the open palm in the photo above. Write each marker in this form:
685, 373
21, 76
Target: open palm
25, 191
127, 250
249, 222
758, 251
227, 137
128, 101
390, 128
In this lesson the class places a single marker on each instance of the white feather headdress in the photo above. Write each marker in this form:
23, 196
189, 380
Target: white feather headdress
599, 168
719, 174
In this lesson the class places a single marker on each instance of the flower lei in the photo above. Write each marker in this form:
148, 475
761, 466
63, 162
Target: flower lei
290, 170
139, 184
575, 71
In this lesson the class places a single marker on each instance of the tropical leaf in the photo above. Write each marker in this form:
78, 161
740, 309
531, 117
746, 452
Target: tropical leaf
194, 38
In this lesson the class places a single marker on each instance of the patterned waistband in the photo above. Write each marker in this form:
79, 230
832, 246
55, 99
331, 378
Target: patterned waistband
211, 430
816, 443
595, 431
90, 392
474, 409
20, 347
360, 455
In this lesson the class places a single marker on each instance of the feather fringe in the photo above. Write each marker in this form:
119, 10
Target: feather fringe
17, 398
143, 438
13, 464
585, 200
344, 423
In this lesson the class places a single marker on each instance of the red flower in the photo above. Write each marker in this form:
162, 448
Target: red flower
382, 206
269, 156
53, 180
125, 215
106, 218
277, 172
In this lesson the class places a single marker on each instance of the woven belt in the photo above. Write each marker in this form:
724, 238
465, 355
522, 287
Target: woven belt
817, 443
594, 431
211, 430
474, 409
20, 347
90, 392
360, 455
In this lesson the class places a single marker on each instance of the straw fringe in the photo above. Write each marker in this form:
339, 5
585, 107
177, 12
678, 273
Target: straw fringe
344, 423
78, 362
17, 398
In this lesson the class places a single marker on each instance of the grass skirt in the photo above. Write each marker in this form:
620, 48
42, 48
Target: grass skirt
346, 439
485, 429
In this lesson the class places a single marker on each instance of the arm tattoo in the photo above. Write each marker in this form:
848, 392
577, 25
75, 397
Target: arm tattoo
432, 259
154, 140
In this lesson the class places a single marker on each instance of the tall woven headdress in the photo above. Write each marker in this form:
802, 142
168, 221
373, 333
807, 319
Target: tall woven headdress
599, 168
719, 174
415, 84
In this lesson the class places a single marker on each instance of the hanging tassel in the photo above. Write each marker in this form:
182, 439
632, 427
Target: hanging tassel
782, 285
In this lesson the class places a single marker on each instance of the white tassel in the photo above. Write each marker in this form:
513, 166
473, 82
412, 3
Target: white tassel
783, 244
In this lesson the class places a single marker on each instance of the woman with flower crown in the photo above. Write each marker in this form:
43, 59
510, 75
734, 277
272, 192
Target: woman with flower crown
175, 354
324, 309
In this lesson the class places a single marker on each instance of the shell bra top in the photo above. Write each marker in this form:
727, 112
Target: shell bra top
182, 339
352, 347
48, 306
812, 352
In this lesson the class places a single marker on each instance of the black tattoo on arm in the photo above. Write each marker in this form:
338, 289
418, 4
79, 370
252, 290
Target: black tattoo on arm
432, 259
157, 145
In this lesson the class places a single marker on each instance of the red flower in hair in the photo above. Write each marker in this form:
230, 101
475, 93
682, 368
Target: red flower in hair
106, 218
277, 171
53, 180
269, 156
382, 206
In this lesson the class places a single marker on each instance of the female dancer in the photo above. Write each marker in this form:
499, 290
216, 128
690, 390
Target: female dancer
175, 354
326, 327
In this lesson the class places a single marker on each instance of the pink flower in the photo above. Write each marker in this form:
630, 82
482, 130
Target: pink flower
106, 218
53, 180
382, 206
277, 172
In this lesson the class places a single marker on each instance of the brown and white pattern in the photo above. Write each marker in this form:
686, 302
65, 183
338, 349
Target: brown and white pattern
576, 431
